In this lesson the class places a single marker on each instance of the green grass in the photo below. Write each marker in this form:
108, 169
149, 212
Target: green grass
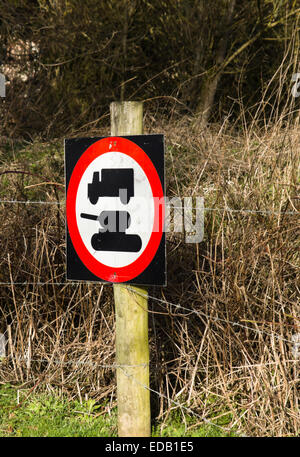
50, 415
176, 428
43, 415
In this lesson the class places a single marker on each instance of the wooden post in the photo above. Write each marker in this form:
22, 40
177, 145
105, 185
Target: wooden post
131, 307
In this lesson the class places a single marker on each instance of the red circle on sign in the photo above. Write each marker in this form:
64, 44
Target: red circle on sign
129, 148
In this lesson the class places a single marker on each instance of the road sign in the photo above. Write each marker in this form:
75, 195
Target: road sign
115, 209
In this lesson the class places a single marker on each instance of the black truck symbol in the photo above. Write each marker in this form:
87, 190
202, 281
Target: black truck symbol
115, 182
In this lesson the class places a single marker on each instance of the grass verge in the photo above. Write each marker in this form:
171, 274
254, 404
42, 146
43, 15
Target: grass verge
52, 415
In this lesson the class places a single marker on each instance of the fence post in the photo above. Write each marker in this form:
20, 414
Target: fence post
131, 308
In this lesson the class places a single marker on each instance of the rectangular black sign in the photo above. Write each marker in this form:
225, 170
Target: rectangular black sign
115, 209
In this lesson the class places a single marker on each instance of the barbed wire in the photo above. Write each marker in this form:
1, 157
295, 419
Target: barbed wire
78, 362
177, 306
51, 360
48, 283
226, 209
201, 313
254, 211
166, 302
132, 377
162, 301
176, 403
123, 367
32, 202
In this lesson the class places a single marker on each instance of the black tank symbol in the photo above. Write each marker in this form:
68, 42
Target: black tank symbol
111, 235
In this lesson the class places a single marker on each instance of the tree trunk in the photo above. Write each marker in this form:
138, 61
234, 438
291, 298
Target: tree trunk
210, 85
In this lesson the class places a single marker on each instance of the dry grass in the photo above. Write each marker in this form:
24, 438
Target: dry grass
232, 356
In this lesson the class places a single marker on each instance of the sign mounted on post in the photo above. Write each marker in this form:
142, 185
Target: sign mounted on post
115, 209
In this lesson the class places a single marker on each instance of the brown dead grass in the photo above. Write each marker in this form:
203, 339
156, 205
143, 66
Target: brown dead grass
233, 353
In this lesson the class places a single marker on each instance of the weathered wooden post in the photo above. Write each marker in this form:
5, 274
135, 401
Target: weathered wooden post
131, 307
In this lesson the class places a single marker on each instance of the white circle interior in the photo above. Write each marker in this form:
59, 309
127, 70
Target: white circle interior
140, 207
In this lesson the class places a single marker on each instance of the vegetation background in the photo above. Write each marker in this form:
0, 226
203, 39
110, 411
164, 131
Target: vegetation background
216, 78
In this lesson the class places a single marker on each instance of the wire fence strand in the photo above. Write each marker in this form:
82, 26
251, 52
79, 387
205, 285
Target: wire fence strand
175, 306
123, 367
159, 300
225, 209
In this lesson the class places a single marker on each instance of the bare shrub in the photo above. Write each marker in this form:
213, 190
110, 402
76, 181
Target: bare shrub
227, 351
